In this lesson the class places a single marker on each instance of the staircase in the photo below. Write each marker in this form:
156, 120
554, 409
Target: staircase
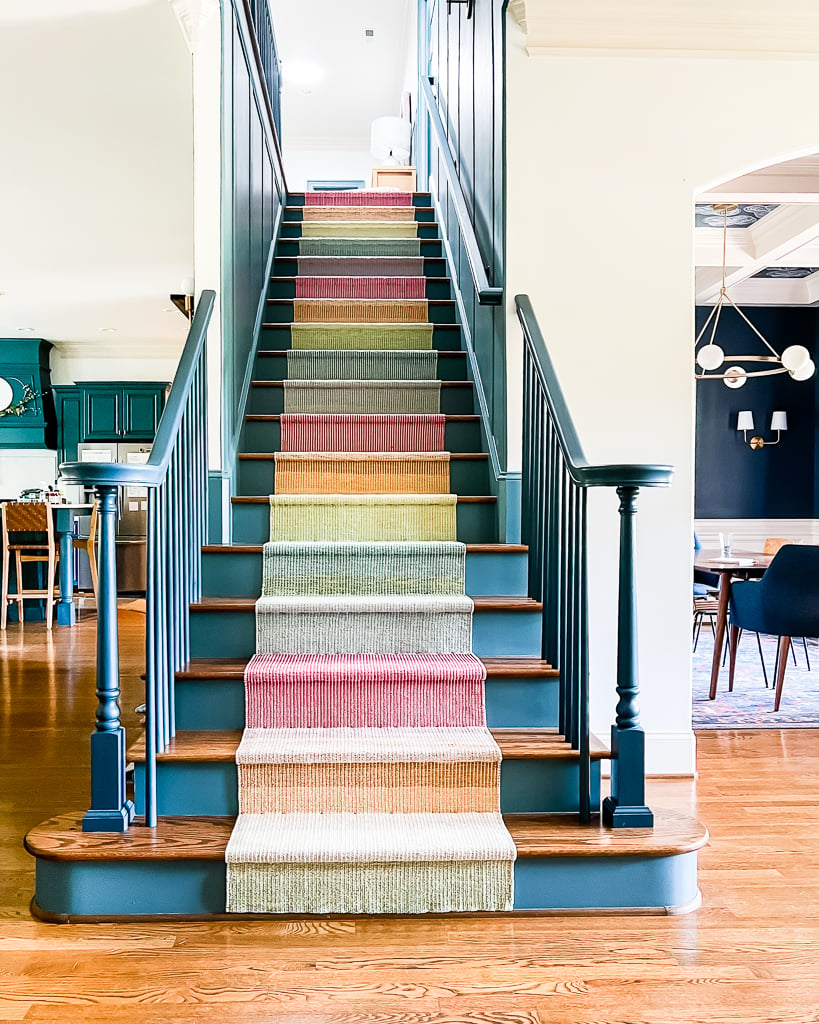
361, 393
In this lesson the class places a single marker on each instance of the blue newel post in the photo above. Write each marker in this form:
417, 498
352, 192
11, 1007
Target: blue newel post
626, 807
110, 810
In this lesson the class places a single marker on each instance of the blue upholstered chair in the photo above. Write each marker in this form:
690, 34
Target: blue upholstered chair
784, 603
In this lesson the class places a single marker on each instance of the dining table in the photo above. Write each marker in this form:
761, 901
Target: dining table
739, 565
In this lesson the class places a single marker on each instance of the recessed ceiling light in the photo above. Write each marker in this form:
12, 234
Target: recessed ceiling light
26, 330
108, 330
169, 309
303, 73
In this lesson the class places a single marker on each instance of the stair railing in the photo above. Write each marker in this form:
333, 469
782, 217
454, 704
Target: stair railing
556, 478
473, 289
176, 476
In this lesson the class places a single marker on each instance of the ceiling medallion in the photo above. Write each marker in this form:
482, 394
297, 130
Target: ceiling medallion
795, 360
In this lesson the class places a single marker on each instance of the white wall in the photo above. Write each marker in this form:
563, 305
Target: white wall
91, 360
301, 164
605, 156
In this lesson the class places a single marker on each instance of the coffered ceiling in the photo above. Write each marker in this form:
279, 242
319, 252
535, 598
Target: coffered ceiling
772, 252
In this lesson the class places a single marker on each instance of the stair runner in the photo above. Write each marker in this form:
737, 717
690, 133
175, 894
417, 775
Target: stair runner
368, 781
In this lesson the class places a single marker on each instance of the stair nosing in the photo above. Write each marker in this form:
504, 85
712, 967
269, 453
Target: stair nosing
483, 603
478, 548
463, 499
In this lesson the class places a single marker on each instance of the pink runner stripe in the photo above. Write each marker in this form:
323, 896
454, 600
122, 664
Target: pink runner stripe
360, 287
322, 691
337, 432
358, 198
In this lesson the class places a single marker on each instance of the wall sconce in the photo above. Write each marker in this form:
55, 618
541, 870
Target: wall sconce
184, 301
745, 422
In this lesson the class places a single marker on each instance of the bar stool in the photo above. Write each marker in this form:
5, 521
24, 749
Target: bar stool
27, 517
89, 546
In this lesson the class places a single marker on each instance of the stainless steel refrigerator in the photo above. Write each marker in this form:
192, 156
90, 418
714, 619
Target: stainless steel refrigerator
132, 514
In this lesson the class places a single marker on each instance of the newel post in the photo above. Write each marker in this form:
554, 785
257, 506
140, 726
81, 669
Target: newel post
626, 808
110, 810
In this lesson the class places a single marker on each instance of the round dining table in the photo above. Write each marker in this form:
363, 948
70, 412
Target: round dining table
740, 565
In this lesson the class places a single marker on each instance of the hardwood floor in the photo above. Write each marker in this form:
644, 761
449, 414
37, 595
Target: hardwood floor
748, 955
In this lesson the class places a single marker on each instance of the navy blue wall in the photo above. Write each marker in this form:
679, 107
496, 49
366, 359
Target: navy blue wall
732, 480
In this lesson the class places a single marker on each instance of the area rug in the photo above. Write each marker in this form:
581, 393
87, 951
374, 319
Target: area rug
750, 705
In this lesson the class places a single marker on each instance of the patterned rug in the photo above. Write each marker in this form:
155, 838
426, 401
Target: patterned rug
750, 705
368, 780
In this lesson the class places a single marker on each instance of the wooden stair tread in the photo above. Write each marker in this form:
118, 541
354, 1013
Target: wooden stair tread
258, 417
476, 549
500, 603
205, 838
231, 669
463, 499
454, 456
294, 278
281, 353
219, 746
443, 383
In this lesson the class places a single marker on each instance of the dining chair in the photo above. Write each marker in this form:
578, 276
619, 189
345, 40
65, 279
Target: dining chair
26, 517
784, 603
89, 546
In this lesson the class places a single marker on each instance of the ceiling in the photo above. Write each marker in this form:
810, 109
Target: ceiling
96, 180
772, 251
363, 75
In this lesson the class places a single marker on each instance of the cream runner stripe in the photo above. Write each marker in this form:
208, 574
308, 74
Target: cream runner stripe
353, 214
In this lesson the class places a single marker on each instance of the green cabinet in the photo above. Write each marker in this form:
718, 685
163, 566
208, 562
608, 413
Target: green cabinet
110, 411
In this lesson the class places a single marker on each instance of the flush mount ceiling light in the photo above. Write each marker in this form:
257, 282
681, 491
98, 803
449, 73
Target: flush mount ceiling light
795, 360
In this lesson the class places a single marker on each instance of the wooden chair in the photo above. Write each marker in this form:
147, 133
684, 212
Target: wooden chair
27, 517
89, 546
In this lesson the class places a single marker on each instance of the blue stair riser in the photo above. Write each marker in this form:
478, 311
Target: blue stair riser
239, 573
422, 214
431, 248
268, 399
288, 266
211, 787
205, 704
285, 288
280, 311
267, 367
275, 337
260, 436
466, 476
120, 888
296, 199
495, 634
477, 523
426, 229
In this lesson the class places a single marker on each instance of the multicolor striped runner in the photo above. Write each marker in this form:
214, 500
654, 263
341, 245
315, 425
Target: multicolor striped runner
364, 397
365, 229
360, 311
291, 568
310, 691
361, 266
368, 781
361, 336
361, 364
340, 517
362, 472
335, 246
359, 197
360, 287
302, 432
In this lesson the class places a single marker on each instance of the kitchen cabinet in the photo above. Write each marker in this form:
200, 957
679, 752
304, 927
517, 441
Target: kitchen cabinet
109, 411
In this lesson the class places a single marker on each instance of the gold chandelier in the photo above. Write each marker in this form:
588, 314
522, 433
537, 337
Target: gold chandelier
710, 358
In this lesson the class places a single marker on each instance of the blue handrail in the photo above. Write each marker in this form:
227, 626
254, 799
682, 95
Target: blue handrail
176, 476
488, 295
556, 478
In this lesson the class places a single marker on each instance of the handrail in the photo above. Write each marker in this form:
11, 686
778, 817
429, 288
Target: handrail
584, 475
152, 472
488, 295
176, 476
245, 8
556, 477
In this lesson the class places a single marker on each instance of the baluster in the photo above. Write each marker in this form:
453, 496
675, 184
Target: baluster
164, 617
583, 660
626, 808
151, 668
110, 809
526, 462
